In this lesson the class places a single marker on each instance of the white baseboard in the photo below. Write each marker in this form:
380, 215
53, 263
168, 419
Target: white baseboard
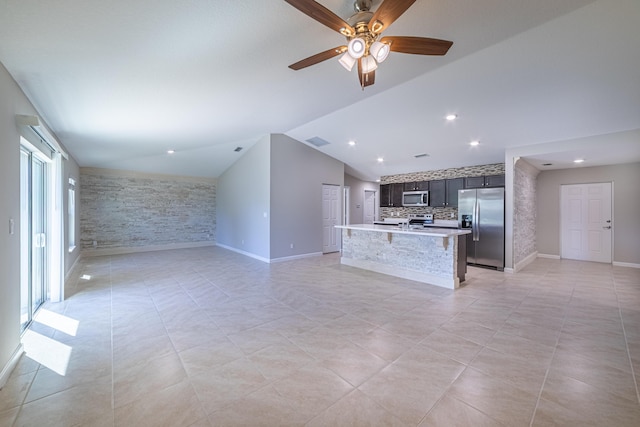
291, 258
240, 251
8, 368
526, 261
267, 260
549, 256
626, 264
66, 277
150, 248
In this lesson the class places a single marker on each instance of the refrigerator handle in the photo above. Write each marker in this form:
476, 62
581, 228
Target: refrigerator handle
476, 221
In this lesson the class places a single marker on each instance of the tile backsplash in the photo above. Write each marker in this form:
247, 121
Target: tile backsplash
448, 213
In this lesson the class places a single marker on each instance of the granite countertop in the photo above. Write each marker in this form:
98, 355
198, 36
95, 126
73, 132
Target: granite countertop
428, 231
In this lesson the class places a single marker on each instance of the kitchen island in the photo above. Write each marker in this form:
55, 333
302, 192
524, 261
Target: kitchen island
436, 256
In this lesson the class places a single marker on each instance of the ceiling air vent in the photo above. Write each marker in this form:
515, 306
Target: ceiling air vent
417, 156
317, 141
238, 149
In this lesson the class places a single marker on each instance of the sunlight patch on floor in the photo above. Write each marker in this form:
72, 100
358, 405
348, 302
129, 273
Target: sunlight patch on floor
46, 351
57, 321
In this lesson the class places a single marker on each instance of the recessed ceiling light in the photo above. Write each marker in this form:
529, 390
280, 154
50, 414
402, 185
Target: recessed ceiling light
170, 151
352, 143
380, 160
451, 117
578, 161
474, 143
377, 180
547, 164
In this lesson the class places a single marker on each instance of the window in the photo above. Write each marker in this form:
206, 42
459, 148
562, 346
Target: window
71, 211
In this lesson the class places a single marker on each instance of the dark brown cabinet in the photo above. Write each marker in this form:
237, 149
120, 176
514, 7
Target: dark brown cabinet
416, 186
484, 181
391, 195
437, 192
444, 192
453, 185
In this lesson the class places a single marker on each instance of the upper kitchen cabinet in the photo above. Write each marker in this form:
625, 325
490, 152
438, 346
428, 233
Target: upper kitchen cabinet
416, 186
391, 195
444, 192
484, 181
453, 185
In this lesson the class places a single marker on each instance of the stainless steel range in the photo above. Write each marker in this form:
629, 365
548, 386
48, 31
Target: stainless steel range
420, 220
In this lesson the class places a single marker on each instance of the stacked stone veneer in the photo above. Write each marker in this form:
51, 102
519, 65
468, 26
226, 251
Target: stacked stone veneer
438, 212
524, 210
425, 254
120, 209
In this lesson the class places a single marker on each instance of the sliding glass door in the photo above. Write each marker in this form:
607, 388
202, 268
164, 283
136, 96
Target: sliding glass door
33, 236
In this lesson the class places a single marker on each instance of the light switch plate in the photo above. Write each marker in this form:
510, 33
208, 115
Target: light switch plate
12, 226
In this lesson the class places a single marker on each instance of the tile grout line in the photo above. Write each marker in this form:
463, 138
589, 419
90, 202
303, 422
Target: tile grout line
626, 341
553, 355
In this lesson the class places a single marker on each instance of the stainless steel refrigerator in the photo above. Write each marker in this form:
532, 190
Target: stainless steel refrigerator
482, 211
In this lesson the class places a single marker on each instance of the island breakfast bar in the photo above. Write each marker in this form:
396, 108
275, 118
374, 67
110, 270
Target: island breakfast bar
436, 256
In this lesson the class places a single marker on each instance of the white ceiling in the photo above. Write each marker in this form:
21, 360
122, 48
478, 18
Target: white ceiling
120, 82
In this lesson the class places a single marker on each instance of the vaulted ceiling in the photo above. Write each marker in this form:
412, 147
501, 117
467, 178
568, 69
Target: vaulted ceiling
122, 82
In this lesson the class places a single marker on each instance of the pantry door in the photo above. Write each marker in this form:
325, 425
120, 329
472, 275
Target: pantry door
586, 222
331, 240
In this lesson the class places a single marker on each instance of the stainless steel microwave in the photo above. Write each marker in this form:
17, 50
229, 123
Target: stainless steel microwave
415, 198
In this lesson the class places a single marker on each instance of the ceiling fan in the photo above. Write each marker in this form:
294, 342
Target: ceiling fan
363, 30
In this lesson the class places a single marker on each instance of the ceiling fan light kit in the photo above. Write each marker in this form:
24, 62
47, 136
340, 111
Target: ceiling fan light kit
362, 31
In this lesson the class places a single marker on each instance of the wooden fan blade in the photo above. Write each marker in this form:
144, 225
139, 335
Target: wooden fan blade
387, 13
366, 79
417, 45
318, 57
323, 15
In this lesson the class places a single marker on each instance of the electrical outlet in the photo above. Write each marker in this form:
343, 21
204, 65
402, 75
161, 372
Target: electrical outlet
12, 226
95, 243
292, 246
242, 242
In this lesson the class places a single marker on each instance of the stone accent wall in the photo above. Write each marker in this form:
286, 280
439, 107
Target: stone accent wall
120, 209
425, 254
438, 212
524, 211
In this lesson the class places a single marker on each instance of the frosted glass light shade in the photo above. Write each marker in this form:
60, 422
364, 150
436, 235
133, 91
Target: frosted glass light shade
356, 47
379, 50
368, 64
347, 61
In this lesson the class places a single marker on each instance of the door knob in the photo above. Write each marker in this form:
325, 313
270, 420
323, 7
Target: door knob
607, 227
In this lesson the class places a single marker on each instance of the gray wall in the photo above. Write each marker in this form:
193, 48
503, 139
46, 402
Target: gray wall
626, 207
524, 210
122, 209
282, 178
242, 201
297, 174
356, 194
12, 102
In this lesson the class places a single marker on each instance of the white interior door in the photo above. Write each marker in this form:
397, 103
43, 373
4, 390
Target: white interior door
369, 206
330, 217
586, 222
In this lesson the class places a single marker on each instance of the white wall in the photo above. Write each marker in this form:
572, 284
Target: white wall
13, 102
626, 207
356, 194
297, 174
243, 199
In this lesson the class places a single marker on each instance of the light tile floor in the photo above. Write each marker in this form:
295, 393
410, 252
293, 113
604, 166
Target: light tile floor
207, 337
